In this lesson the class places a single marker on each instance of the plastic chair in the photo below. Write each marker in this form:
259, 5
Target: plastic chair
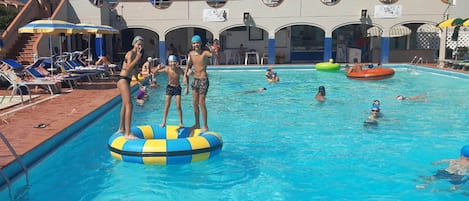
266, 57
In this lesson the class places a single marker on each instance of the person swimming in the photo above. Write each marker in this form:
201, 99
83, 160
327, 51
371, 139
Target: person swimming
321, 95
401, 97
262, 89
457, 172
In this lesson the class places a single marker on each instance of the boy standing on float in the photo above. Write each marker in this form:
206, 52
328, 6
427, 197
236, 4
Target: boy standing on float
198, 58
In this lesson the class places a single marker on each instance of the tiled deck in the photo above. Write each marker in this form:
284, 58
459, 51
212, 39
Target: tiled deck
58, 112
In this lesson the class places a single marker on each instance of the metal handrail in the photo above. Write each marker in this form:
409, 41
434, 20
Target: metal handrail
25, 169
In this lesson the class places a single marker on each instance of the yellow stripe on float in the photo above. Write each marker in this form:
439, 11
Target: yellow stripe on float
172, 132
116, 155
147, 131
195, 133
154, 160
200, 157
198, 143
154, 146
119, 142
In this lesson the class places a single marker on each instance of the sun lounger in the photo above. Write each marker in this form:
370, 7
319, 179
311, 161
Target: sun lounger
38, 72
65, 67
15, 82
16, 88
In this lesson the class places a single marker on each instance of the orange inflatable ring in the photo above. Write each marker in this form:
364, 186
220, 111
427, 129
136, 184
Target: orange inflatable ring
372, 74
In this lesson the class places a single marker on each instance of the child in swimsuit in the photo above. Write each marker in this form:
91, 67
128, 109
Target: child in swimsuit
173, 88
123, 84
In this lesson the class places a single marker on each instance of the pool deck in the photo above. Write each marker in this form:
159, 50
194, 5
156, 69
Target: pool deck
58, 112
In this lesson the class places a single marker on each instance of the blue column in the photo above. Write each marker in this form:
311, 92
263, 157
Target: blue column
385, 49
271, 50
99, 45
327, 49
163, 52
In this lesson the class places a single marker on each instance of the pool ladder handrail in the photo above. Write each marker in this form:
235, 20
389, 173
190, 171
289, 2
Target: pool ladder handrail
25, 169
413, 60
414, 65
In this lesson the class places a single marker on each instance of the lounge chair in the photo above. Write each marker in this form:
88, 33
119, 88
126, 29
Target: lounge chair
15, 87
37, 71
65, 67
15, 82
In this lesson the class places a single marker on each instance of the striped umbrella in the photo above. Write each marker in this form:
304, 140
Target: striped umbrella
52, 27
96, 29
453, 22
466, 22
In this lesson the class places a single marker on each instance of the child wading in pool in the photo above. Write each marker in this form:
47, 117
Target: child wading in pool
174, 72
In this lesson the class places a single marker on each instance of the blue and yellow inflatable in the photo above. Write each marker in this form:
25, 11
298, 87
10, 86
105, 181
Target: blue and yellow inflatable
167, 145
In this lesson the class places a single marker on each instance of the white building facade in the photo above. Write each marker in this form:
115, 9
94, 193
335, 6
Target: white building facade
284, 31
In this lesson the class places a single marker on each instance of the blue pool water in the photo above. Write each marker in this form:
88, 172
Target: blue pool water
279, 144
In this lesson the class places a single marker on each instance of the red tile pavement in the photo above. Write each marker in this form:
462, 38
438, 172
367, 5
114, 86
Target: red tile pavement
58, 111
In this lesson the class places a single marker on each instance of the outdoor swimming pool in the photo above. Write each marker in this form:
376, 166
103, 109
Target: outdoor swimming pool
279, 144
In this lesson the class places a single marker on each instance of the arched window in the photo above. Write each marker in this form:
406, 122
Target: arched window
113, 3
97, 3
216, 3
161, 4
272, 3
388, 1
330, 2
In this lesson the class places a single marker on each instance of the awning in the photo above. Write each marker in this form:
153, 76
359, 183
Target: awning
428, 28
374, 32
399, 31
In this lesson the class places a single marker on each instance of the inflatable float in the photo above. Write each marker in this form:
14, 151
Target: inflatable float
167, 145
371, 74
328, 66
139, 77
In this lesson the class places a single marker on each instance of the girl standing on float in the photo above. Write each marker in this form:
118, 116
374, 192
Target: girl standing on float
132, 57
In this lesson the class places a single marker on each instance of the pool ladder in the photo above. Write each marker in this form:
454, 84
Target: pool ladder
12, 151
417, 60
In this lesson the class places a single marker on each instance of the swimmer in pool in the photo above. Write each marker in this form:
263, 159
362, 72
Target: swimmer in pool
456, 173
376, 104
401, 97
270, 75
372, 120
321, 95
255, 91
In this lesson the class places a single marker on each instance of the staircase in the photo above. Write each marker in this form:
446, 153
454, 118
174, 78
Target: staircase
22, 51
22, 47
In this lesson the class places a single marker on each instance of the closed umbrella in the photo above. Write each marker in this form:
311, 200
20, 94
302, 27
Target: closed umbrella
96, 29
50, 27
453, 22
466, 22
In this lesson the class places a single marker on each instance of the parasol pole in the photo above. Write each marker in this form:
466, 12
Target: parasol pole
89, 49
442, 50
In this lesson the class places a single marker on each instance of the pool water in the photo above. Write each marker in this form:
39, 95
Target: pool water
280, 144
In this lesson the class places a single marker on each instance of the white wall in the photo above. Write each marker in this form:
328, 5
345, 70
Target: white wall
183, 14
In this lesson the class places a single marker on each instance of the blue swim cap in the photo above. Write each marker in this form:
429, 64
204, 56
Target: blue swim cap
465, 151
172, 58
196, 38
265, 88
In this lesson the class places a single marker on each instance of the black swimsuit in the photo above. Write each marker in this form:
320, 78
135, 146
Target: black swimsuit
127, 79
